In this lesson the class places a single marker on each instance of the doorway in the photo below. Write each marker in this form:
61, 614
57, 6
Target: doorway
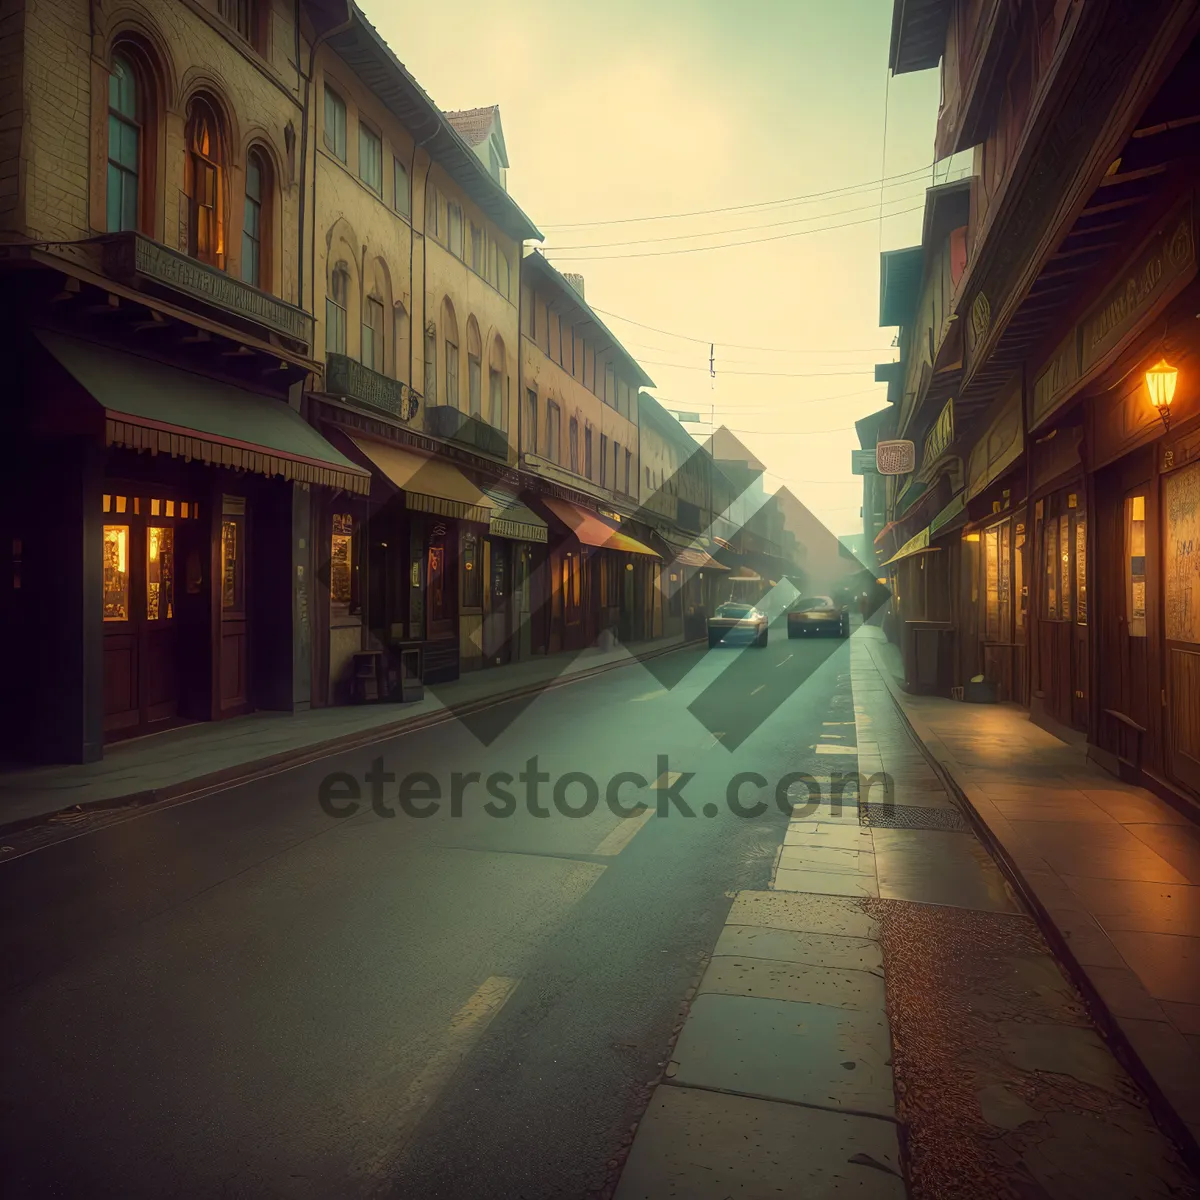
498, 604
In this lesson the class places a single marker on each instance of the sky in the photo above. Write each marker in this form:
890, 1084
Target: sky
650, 108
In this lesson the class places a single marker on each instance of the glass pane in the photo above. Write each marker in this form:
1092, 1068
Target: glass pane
1081, 612
250, 220
254, 179
129, 197
1135, 555
474, 383
115, 207
991, 559
401, 185
116, 572
1050, 533
1064, 567
495, 400
249, 259
368, 347
1181, 514
231, 566
340, 560
160, 573
129, 146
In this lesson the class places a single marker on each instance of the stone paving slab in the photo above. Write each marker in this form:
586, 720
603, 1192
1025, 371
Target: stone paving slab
825, 883
788, 946
939, 868
735, 975
803, 914
827, 858
811, 1054
844, 837
700, 1145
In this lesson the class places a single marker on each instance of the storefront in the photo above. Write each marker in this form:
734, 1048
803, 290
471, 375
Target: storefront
515, 557
191, 499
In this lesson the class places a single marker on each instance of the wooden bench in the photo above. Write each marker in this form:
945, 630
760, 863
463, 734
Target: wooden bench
1120, 720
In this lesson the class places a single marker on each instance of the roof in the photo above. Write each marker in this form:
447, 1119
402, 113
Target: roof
536, 266
652, 412
900, 284
947, 207
473, 124
918, 34
870, 426
366, 53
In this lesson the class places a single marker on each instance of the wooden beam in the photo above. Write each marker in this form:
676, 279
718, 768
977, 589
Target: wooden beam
70, 290
156, 321
1119, 177
1114, 205
110, 306
201, 335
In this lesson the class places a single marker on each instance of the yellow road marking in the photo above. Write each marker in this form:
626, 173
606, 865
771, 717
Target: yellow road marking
466, 1027
758, 689
624, 833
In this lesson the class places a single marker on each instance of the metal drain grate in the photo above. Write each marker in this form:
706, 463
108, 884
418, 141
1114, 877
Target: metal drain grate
911, 816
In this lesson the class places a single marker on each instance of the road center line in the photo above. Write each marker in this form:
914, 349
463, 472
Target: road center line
782, 661
466, 1027
623, 834
758, 689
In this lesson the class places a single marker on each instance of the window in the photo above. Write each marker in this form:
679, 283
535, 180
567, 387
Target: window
1064, 567
496, 398
372, 334
239, 14
232, 560
335, 311
160, 570
571, 588
603, 461
503, 279
116, 572
610, 385
553, 432
402, 191
370, 158
453, 395
1050, 552
335, 124
997, 608
431, 363
628, 471
454, 224
1019, 575
531, 421
493, 267
1135, 565
206, 183
587, 451
476, 249
573, 444
439, 597
616, 461
432, 211
475, 384
1081, 612
472, 572
124, 147
402, 346
252, 220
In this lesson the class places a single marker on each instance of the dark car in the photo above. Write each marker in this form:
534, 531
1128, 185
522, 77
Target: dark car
818, 616
733, 622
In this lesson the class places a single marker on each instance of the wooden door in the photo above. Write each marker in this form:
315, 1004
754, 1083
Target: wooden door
1061, 621
233, 658
522, 600
1181, 622
122, 703
497, 630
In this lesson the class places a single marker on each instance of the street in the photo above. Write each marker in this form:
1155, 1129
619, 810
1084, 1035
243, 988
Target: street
245, 996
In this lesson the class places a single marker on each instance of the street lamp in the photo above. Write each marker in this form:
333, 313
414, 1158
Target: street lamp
1160, 382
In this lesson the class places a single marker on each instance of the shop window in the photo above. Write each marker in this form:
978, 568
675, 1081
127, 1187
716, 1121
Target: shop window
438, 594
335, 311
116, 571
991, 568
370, 158
1019, 587
472, 577
205, 183
1064, 567
160, 572
1050, 539
124, 146
1181, 513
1135, 565
335, 124
372, 334
1081, 601
233, 563
341, 564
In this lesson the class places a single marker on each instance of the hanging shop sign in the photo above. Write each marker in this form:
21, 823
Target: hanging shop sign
895, 457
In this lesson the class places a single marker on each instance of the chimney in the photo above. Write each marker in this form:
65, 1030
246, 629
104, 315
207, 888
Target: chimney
576, 281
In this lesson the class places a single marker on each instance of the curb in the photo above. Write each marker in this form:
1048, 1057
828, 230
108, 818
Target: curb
247, 772
1160, 1105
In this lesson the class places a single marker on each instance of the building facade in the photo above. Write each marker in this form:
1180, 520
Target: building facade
1068, 578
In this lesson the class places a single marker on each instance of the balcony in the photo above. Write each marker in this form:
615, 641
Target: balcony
349, 379
132, 258
473, 433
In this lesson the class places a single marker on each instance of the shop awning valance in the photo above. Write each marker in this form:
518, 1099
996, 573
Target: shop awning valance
512, 519
429, 484
688, 552
590, 530
917, 544
149, 405
950, 518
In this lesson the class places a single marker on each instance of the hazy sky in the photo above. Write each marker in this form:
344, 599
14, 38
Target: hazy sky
615, 109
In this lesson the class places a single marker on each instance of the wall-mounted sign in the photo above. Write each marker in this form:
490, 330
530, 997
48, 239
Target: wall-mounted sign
895, 457
862, 462
938, 439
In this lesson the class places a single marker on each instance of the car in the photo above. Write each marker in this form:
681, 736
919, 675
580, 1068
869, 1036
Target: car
735, 622
818, 616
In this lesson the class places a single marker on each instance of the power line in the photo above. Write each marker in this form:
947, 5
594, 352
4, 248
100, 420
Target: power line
738, 345
871, 184
727, 245
777, 374
682, 237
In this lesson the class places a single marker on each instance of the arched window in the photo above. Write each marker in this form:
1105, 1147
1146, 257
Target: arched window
474, 369
206, 183
573, 444
497, 400
124, 146
335, 310
450, 328
431, 363
372, 334
256, 222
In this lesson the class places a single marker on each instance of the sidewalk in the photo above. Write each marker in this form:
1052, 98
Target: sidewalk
1111, 871
211, 753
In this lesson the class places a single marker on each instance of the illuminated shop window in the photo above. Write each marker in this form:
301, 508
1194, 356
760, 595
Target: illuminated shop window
1135, 565
116, 572
340, 564
160, 573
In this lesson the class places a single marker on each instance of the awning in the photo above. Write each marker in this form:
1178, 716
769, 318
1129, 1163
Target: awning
149, 405
950, 518
745, 575
918, 544
512, 519
590, 530
429, 484
687, 552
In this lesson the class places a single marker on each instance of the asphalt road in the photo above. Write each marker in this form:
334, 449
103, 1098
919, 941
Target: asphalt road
247, 996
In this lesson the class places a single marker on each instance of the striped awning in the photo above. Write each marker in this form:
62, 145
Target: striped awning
513, 519
918, 544
590, 530
948, 519
429, 484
